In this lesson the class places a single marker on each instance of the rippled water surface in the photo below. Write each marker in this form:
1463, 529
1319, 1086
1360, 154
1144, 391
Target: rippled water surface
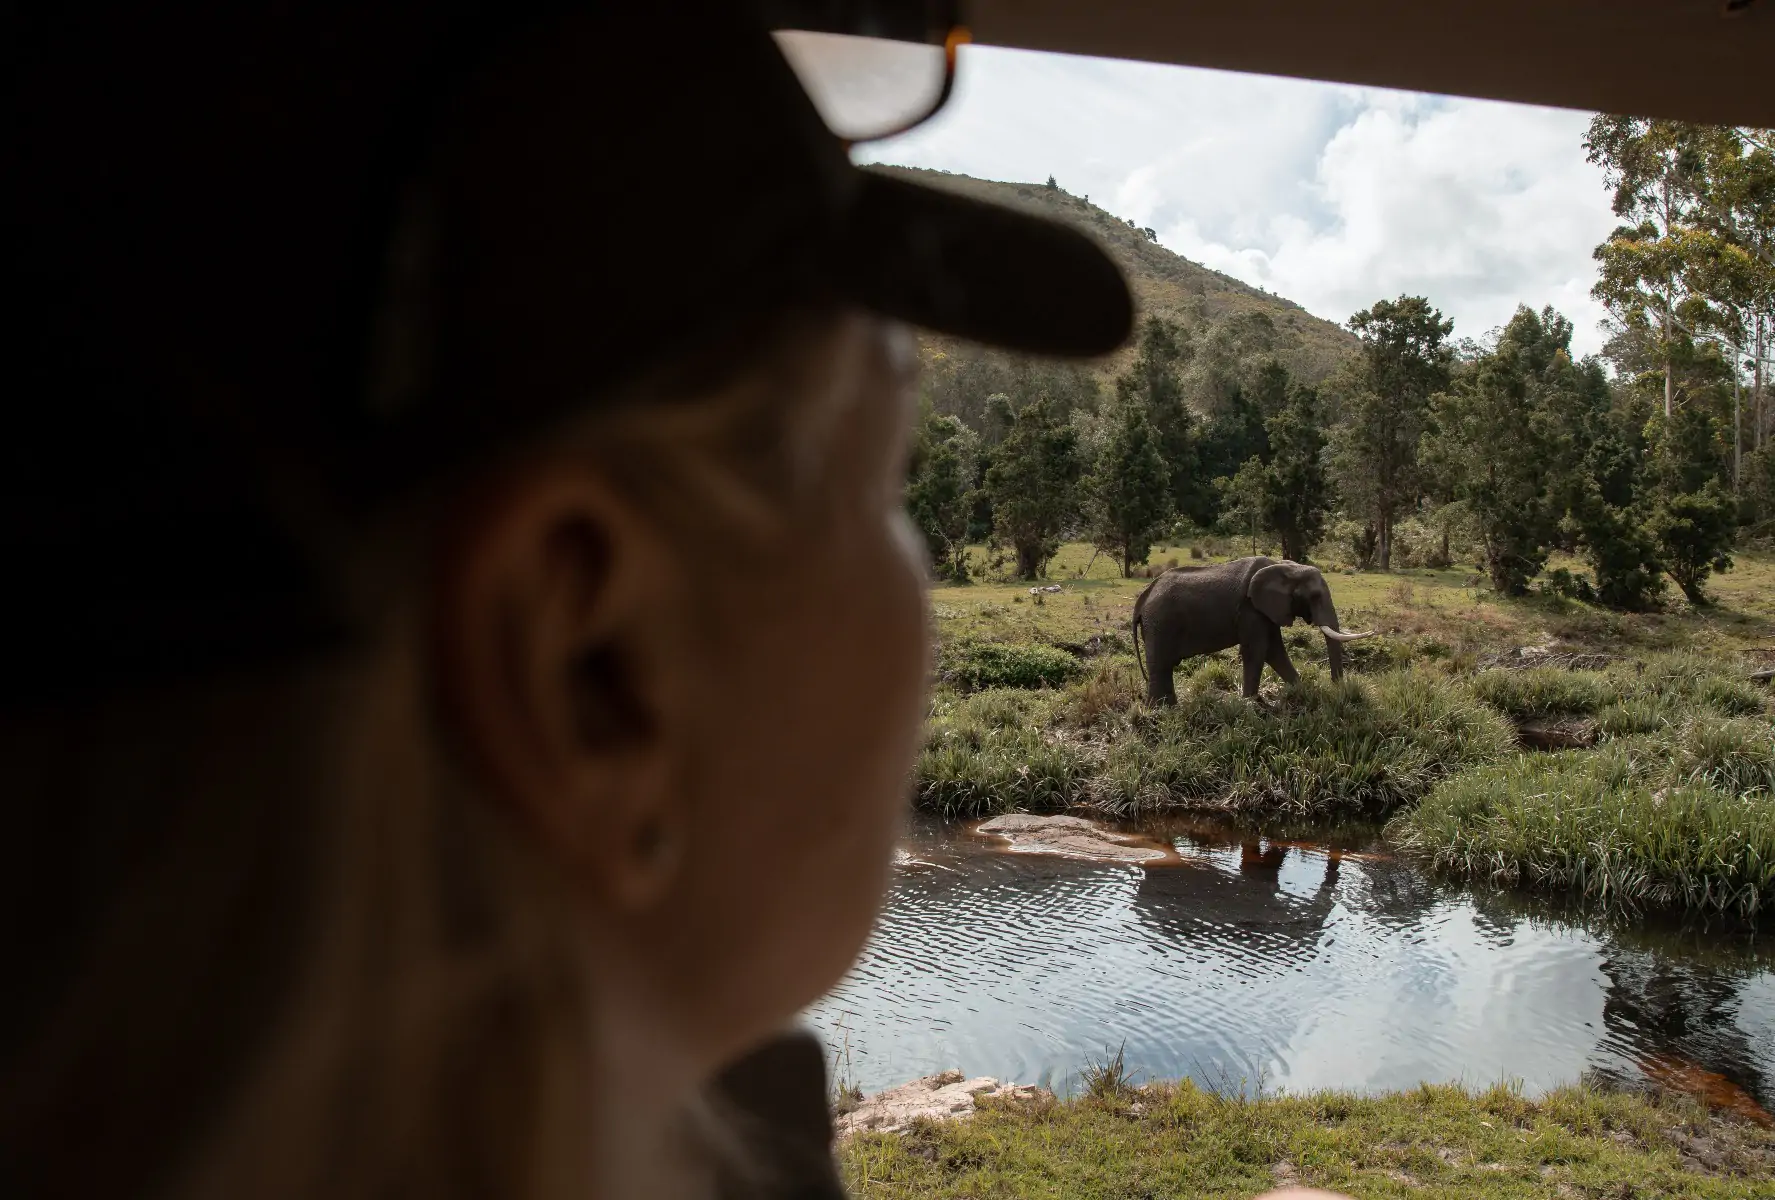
1299, 965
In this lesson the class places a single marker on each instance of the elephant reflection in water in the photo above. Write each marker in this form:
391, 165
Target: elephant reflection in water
1186, 903
1254, 858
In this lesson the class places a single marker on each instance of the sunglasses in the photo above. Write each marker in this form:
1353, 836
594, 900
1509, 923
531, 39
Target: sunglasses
873, 68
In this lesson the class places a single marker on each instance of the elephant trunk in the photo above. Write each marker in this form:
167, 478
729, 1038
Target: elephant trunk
1325, 617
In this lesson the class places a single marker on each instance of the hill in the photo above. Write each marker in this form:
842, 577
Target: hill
1164, 283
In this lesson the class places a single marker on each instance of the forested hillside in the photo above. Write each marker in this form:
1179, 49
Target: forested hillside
1398, 441
1218, 311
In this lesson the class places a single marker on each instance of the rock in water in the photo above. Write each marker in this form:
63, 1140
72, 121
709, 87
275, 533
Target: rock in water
945, 1097
1072, 837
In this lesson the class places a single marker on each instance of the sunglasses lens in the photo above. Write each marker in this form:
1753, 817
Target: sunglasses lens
867, 87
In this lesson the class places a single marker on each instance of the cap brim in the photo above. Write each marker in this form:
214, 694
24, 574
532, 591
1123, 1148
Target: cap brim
979, 271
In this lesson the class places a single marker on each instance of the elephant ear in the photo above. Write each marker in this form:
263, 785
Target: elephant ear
1271, 592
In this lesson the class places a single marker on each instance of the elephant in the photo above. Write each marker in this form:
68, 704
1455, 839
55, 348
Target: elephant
1188, 611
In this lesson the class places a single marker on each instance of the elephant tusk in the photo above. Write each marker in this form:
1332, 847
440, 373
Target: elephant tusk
1338, 635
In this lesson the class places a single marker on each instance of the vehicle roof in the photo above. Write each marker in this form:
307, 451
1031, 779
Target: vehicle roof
1697, 60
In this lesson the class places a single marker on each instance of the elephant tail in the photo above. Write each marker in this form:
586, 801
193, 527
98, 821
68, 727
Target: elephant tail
1139, 604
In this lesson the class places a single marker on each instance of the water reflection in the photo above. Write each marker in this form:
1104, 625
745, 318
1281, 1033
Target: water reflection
1300, 965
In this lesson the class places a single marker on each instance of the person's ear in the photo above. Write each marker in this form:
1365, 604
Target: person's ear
551, 656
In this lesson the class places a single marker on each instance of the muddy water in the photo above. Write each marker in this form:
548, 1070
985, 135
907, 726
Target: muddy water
1300, 964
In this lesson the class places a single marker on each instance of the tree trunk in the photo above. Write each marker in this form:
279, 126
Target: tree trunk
1029, 560
1669, 382
1757, 382
1384, 548
1737, 415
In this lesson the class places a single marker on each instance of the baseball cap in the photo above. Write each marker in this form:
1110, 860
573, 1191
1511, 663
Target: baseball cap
217, 213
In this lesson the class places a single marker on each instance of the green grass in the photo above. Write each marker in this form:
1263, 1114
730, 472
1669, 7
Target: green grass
1686, 820
994, 752
1543, 692
1361, 746
1432, 1142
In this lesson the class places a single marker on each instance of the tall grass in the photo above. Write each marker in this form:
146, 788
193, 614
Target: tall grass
1686, 820
993, 752
1359, 746
1543, 691
1656, 694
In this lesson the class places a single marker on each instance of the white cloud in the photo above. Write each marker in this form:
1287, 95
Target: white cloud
1332, 196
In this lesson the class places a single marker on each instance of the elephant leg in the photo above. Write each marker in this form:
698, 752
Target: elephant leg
1161, 687
1253, 660
1278, 659
1254, 646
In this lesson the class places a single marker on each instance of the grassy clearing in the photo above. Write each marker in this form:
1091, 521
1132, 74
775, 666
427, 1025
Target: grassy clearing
1178, 1140
1426, 613
1039, 706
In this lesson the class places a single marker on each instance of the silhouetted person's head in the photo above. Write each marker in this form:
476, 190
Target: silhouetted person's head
466, 650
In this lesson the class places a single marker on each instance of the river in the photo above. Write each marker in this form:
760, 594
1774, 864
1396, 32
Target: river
1290, 965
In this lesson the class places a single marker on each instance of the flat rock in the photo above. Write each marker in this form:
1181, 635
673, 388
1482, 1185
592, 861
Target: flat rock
945, 1097
1071, 837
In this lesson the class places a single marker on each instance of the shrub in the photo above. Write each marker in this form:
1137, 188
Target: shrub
1561, 582
1355, 541
976, 666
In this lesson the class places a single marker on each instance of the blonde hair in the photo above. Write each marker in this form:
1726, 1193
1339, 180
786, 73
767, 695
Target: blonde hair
316, 962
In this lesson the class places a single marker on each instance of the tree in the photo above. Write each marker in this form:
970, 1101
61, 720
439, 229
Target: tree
1296, 489
939, 491
1242, 501
1128, 493
1513, 401
1731, 249
1153, 384
1033, 484
1052, 185
1696, 530
1652, 167
1759, 487
1621, 550
1692, 514
1605, 497
1236, 432
1404, 360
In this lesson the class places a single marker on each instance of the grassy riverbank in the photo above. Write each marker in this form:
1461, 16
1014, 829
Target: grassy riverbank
1178, 1140
1671, 802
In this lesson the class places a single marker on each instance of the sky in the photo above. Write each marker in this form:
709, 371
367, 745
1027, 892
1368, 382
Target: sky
1332, 196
